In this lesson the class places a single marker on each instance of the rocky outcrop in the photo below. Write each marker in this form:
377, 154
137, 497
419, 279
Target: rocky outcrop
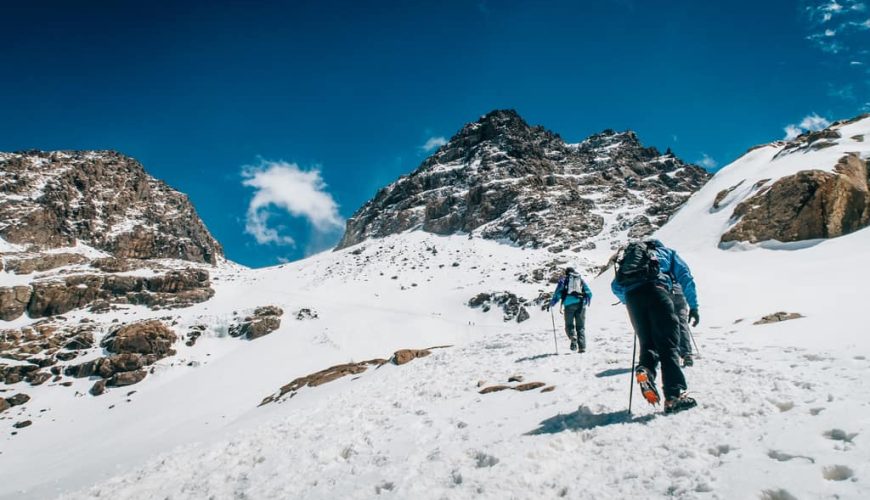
403, 356
30, 263
513, 307
13, 301
265, 320
100, 198
178, 288
811, 204
503, 179
146, 337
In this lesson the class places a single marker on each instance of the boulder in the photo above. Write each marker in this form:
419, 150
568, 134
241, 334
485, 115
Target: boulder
403, 356
528, 386
13, 301
265, 320
37, 378
118, 363
811, 204
126, 378
22, 424
18, 399
98, 388
146, 337
82, 370
4, 405
493, 388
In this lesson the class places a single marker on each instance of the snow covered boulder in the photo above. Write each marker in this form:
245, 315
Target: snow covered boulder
511, 305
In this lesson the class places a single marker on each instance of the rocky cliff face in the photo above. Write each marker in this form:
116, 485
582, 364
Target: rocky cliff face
99, 198
75, 225
823, 202
500, 178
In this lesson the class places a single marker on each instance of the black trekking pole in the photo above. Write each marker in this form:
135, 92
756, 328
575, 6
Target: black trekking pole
631, 373
555, 342
692, 336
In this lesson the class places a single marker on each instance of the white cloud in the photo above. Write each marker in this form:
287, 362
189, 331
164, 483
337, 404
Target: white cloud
433, 143
284, 186
707, 162
810, 122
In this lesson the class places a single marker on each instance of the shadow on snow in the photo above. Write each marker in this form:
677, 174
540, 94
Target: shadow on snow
584, 419
613, 371
533, 358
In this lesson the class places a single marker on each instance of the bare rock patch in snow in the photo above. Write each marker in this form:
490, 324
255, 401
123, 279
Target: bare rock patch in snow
778, 317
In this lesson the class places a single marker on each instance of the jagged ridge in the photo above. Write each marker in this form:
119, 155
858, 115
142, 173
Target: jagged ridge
503, 179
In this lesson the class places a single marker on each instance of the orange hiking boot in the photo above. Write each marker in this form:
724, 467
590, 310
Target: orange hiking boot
647, 385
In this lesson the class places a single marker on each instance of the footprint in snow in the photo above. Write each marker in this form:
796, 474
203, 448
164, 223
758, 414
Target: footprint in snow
837, 473
785, 457
779, 494
840, 435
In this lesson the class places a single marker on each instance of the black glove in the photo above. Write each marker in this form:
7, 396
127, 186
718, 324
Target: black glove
693, 316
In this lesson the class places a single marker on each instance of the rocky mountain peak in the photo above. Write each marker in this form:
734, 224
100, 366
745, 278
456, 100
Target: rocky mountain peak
103, 199
504, 179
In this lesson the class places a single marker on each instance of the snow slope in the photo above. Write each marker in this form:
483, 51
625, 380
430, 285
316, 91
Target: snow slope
783, 407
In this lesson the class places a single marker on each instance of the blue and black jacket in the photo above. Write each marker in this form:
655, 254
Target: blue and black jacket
671, 268
570, 299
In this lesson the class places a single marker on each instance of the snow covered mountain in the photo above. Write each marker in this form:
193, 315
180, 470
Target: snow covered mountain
382, 381
505, 180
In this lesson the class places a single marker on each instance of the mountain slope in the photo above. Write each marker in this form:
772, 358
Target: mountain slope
781, 410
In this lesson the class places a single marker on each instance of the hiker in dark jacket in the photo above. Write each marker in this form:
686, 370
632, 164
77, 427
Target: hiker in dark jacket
651, 310
575, 296
681, 307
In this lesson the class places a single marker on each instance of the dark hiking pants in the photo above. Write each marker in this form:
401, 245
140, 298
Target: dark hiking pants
575, 323
682, 310
652, 314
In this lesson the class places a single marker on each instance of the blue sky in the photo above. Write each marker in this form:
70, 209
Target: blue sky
280, 119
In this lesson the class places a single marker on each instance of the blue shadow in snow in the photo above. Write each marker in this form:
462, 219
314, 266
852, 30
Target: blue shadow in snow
613, 371
583, 419
533, 358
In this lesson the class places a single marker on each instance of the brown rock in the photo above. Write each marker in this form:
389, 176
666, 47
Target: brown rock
13, 301
493, 388
515, 378
528, 386
98, 388
18, 399
37, 378
4, 405
549, 388
127, 362
265, 320
29, 263
777, 317
403, 356
127, 378
808, 205
82, 370
146, 337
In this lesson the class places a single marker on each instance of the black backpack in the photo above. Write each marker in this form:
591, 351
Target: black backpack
638, 264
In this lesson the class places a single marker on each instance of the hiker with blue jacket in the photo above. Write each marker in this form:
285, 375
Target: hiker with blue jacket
575, 296
645, 276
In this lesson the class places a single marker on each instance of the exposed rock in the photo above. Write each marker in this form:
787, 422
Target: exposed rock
549, 388
37, 378
808, 205
100, 198
306, 313
503, 179
98, 388
493, 388
512, 305
22, 424
13, 301
28, 262
108, 366
15, 374
721, 195
515, 378
323, 376
82, 370
777, 317
126, 378
146, 337
4, 405
403, 356
18, 399
265, 320
528, 386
